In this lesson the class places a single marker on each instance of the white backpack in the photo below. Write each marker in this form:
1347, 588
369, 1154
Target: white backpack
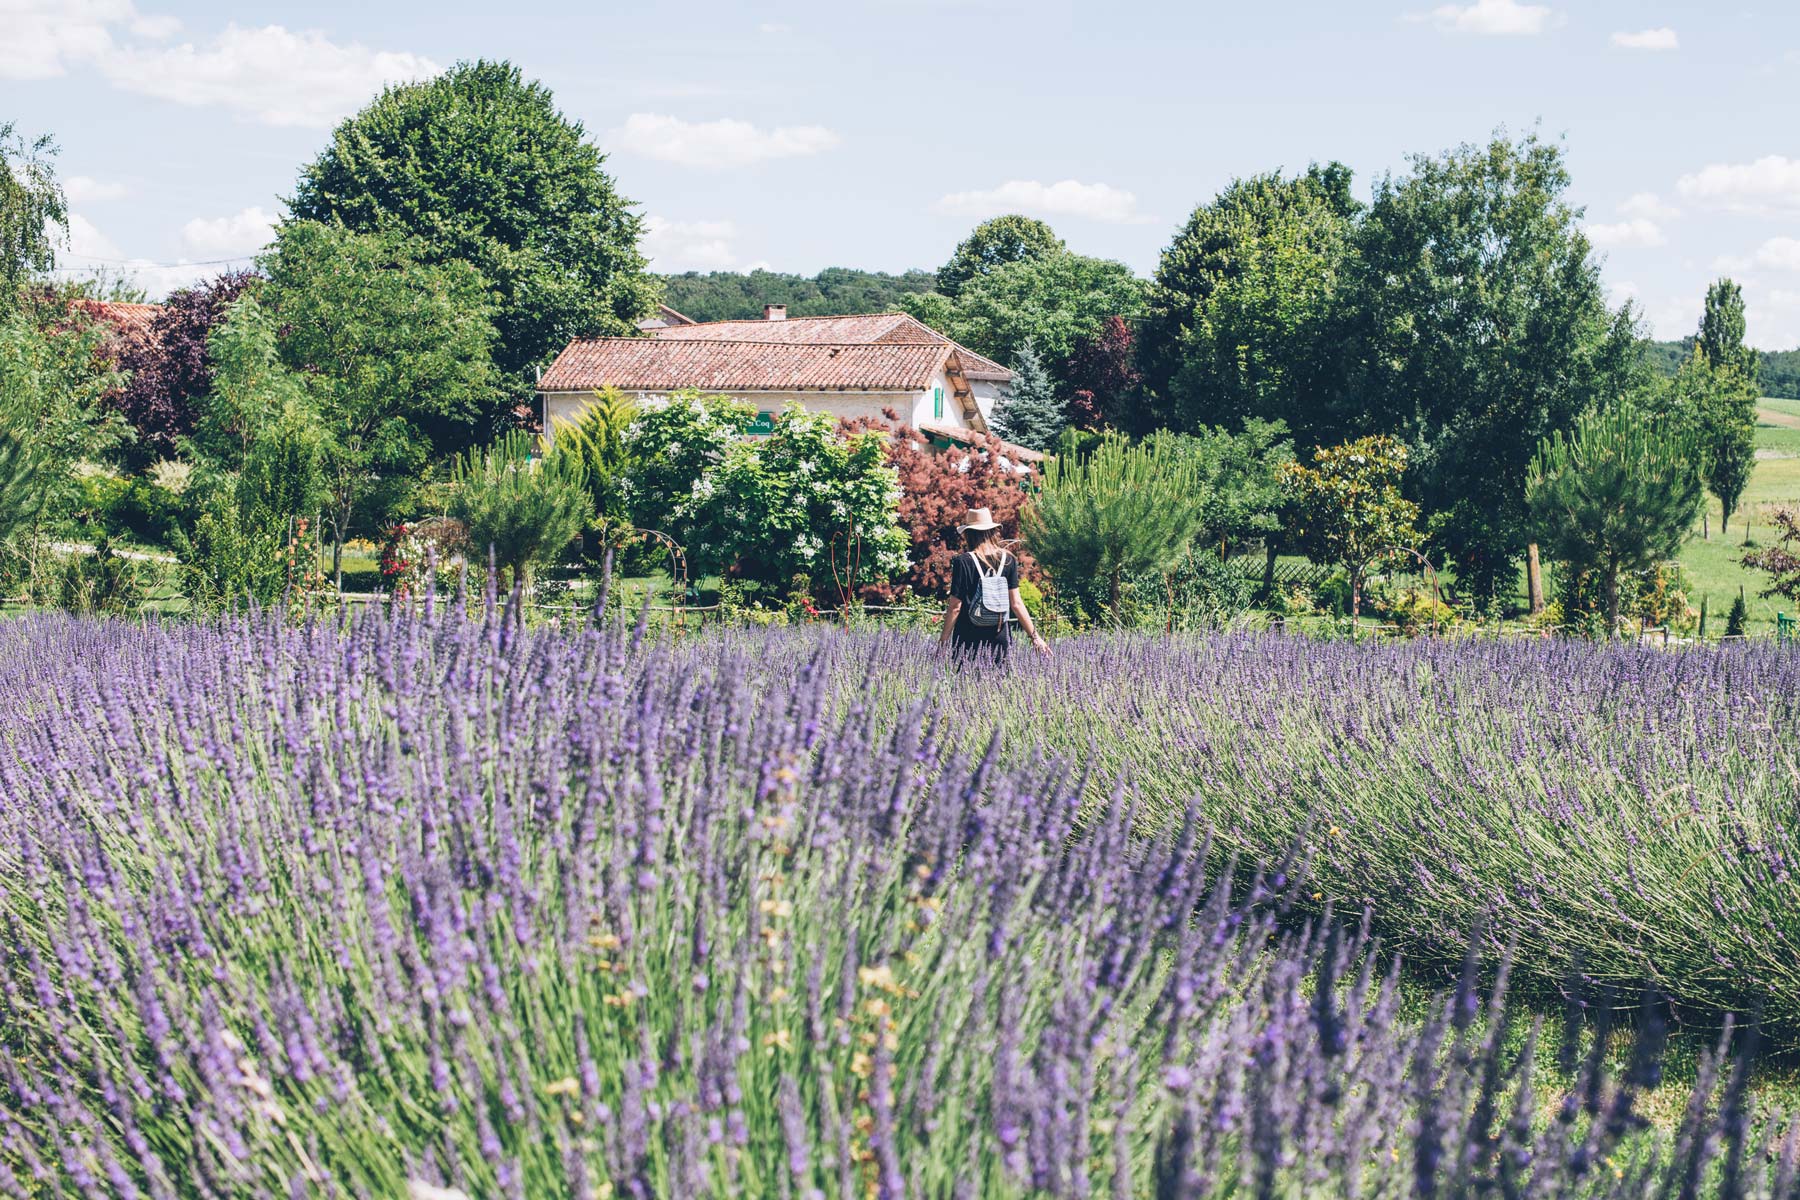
991, 603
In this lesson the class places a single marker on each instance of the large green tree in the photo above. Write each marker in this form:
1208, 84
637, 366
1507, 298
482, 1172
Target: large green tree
1057, 302
33, 211
1616, 492
479, 167
398, 348
994, 243
1246, 309
1483, 327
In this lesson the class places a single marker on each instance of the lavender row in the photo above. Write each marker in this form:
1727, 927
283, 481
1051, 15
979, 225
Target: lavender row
433, 907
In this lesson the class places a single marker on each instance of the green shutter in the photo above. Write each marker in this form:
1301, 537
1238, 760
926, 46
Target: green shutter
937, 403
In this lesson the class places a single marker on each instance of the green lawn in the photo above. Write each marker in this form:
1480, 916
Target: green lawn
1713, 563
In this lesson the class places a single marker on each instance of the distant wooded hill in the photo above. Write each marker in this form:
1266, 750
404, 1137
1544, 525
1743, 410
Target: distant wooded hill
1778, 371
838, 291
835, 291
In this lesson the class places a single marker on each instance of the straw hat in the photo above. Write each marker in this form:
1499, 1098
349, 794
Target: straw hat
977, 518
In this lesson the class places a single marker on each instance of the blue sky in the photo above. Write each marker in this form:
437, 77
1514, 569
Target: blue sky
803, 135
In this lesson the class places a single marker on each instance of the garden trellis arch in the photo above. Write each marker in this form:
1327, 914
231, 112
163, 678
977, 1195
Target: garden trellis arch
1437, 598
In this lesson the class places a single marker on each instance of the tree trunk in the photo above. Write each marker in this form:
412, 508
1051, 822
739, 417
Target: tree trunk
1113, 593
1355, 598
1534, 580
1706, 525
1268, 570
1612, 601
337, 554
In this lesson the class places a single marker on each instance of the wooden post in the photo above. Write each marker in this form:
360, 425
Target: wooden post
1534, 579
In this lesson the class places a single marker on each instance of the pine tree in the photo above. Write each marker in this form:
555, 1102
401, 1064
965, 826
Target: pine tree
1123, 510
1033, 415
1616, 493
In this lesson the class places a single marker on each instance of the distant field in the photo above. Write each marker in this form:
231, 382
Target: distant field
1712, 563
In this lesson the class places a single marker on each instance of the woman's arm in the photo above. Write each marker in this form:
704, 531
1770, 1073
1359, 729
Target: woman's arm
952, 610
1024, 615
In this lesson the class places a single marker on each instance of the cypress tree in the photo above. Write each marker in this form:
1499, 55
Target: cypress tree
1721, 336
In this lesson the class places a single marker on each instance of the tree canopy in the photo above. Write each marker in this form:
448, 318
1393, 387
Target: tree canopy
478, 166
1721, 336
1245, 312
170, 370
33, 210
835, 291
1484, 327
1055, 301
397, 348
1119, 511
994, 243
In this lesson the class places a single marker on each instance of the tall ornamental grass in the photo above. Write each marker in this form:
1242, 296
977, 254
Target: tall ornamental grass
427, 907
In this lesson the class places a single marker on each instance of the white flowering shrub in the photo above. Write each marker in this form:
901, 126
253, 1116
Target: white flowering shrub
807, 500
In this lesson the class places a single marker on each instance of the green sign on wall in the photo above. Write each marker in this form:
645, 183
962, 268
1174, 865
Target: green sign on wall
761, 425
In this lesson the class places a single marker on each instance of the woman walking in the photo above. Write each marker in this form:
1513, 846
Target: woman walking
984, 593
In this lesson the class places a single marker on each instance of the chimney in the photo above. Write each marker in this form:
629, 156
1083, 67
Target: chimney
774, 312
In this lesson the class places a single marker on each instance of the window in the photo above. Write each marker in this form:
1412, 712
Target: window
937, 403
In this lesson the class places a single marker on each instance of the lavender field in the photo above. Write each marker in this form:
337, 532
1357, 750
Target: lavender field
433, 907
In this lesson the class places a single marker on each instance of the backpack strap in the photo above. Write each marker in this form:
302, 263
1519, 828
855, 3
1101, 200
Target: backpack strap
999, 569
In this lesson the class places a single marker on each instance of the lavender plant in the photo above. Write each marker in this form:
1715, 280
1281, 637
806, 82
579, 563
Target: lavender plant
420, 905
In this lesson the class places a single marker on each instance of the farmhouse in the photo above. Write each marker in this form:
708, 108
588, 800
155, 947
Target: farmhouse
854, 366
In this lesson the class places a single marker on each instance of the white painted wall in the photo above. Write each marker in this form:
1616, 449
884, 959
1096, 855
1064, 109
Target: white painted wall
987, 395
911, 407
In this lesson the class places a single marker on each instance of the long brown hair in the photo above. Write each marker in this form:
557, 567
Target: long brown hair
975, 539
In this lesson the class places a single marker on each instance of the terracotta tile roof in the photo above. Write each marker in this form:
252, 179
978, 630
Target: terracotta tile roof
132, 320
870, 329
666, 363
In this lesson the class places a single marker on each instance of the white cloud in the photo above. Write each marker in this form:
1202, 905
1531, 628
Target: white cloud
242, 233
1776, 254
1769, 184
689, 245
1069, 198
1648, 39
44, 38
1672, 319
272, 74
82, 189
716, 144
88, 250
1648, 206
1493, 18
1638, 231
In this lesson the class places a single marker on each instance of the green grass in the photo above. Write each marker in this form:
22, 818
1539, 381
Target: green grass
1713, 564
